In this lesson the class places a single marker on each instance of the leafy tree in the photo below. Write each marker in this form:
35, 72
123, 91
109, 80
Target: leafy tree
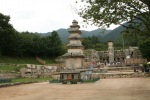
136, 13
94, 42
87, 43
32, 44
49, 46
56, 45
7, 35
27, 44
145, 48
107, 12
37, 44
101, 46
22, 44
131, 38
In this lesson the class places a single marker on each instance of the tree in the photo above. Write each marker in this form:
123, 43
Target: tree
107, 12
136, 13
51, 46
87, 43
27, 44
131, 38
7, 35
94, 42
26, 41
145, 48
56, 45
30, 44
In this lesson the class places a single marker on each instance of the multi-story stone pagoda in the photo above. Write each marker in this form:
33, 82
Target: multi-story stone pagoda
74, 58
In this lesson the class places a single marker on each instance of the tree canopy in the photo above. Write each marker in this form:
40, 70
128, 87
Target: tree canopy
33, 44
94, 42
145, 48
7, 34
106, 12
27, 44
136, 13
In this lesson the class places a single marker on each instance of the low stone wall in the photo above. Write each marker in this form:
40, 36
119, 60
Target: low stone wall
120, 75
8, 75
14, 84
32, 70
123, 68
96, 70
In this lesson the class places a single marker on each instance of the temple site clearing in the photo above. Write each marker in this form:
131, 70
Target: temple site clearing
122, 76
104, 89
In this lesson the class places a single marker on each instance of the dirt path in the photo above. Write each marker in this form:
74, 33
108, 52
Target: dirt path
105, 89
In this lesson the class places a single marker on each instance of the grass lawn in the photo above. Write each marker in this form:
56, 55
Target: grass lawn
25, 80
11, 64
31, 79
12, 60
10, 68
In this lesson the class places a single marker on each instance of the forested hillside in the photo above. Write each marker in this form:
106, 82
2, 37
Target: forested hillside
53, 44
27, 44
63, 33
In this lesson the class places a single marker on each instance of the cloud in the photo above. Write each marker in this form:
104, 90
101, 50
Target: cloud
37, 15
41, 15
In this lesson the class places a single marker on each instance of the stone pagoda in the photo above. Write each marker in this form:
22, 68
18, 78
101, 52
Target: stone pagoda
74, 58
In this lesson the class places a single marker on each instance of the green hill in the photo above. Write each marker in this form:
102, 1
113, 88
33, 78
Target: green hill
114, 34
64, 34
107, 35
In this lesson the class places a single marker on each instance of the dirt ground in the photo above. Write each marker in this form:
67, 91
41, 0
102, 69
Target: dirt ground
104, 89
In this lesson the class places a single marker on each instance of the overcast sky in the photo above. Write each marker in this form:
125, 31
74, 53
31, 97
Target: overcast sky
41, 15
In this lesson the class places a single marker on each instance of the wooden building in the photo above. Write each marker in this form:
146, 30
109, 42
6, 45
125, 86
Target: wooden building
70, 77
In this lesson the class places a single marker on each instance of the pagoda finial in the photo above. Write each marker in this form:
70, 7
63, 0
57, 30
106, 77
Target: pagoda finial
74, 22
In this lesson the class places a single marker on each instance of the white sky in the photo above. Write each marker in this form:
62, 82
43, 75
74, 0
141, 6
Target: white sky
41, 15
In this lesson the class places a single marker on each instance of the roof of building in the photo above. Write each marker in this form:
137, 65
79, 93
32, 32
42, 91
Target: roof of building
69, 71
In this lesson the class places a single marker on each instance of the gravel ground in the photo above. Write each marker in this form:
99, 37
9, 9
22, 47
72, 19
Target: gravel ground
104, 89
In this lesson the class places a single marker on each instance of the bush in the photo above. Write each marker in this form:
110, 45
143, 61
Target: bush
146, 66
5, 80
54, 81
90, 80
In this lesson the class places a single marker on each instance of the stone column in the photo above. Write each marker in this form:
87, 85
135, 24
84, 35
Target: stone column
110, 51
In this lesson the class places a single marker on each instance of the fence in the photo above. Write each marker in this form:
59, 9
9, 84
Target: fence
5, 80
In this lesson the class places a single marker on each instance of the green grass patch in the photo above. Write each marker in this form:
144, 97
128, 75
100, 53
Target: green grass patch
12, 60
90, 80
49, 61
10, 68
30, 79
24, 80
17, 60
54, 81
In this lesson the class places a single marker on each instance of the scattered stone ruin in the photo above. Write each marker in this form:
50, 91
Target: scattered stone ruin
85, 62
112, 57
38, 70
